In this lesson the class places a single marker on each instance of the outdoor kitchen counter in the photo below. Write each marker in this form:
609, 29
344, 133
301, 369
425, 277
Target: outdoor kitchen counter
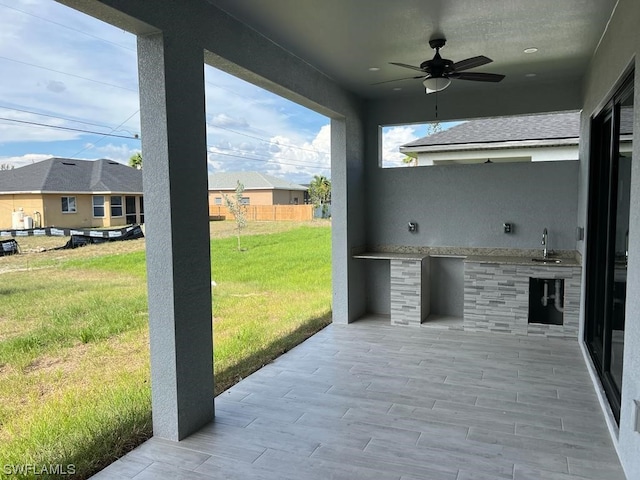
410, 298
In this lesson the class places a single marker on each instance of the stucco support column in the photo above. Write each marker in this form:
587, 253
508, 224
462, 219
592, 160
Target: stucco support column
172, 103
347, 217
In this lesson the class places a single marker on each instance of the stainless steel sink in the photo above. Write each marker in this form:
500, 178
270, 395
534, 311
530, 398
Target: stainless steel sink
547, 260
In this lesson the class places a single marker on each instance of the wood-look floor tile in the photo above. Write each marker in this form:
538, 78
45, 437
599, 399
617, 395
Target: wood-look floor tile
369, 400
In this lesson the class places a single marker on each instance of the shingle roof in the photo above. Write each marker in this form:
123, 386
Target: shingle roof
564, 125
72, 176
251, 181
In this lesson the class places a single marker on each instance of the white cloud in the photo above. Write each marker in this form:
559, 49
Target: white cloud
120, 153
292, 158
392, 139
24, 159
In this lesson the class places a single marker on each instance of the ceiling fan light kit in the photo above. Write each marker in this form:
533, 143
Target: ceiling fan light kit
435, 84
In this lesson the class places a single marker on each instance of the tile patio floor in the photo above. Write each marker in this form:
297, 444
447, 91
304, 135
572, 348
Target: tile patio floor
372, 401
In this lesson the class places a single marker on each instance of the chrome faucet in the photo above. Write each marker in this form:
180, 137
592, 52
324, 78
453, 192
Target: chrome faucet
545, 251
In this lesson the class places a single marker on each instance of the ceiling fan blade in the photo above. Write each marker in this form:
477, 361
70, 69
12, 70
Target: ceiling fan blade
399, 79
472, 62
407, 66
477, 76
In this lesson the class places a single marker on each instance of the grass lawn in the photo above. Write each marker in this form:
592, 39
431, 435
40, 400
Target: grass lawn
74, 360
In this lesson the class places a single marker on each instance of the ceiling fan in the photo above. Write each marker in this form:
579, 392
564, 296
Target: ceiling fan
438, 72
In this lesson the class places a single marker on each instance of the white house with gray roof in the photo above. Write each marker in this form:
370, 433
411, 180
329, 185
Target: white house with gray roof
69, 193
528, 138
259, 189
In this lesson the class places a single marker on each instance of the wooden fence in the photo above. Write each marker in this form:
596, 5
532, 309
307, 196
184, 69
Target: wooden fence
265, 212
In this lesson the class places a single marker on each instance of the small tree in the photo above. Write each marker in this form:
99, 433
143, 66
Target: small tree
135, 161
237, 209
6, 166
411, 161
320, 193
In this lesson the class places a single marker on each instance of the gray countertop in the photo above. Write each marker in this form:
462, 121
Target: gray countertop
391, 256
570, 258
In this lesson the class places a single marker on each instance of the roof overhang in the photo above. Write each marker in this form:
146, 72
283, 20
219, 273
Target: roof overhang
461, 147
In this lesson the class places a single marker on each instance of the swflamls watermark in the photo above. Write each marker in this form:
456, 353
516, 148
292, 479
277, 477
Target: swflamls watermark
24, 469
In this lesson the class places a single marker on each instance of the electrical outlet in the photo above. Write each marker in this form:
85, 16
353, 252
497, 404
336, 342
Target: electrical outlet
508, 227
413, 227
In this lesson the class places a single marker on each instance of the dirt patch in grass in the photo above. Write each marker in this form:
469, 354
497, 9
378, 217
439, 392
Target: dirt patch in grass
40, 252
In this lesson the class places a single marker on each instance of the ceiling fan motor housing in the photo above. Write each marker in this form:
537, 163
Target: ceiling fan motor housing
438, 66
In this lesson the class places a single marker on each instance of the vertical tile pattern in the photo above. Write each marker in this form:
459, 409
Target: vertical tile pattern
406, 292
496, 299
371, 400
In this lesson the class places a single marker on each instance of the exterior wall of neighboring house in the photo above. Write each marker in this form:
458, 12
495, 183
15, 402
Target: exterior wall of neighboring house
53, 216
9, 203
524, 154
288, 197
260, 197
49, 206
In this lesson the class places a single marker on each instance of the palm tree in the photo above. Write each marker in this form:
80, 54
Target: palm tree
320, 193
136, 161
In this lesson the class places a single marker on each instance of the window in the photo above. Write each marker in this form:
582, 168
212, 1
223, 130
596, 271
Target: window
116, 205
245, 201
69, 205
98, 206
217, 201
523, 138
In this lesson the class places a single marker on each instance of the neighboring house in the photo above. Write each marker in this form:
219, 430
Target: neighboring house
528, 138
62, 192
259, 189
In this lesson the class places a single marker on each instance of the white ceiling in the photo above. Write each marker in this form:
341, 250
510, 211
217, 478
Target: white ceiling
344, 38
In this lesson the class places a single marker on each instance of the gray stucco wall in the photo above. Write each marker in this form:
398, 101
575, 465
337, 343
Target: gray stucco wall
466, 205
618, 51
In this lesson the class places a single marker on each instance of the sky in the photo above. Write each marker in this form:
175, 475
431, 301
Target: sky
69, 88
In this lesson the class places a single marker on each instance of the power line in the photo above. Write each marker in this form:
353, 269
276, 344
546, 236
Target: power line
68, 28
135, 137
105, 135
266, 160
270, 142
59, 127
58, 117
68, 74
229, 90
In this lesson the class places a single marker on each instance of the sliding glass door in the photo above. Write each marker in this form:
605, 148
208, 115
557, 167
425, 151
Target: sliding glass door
607, 252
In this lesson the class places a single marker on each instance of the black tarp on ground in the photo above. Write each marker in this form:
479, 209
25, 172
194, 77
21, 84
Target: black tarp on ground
8, 247
131, 233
